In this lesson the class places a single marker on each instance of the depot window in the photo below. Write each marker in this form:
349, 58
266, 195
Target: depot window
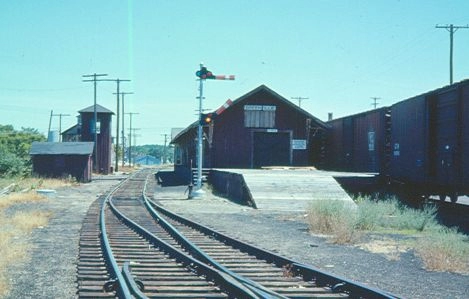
259, 116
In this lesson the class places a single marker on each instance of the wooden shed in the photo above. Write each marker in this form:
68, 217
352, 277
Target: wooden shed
261, 128
104, 144
62, 159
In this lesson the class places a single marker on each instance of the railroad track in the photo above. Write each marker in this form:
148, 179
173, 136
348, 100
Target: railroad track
145, 250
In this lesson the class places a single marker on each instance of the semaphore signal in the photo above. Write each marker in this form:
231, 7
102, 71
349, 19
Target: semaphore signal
223, 77
205, 119
204, 73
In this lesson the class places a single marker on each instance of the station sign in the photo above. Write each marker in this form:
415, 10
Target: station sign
259, 108
298, 144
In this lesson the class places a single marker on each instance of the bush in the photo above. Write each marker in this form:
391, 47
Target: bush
342, 221
444, 250
390, 214
333, 217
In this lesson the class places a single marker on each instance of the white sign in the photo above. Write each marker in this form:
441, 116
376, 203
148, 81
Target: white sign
397, 151
371, 141
259, 108
298, 144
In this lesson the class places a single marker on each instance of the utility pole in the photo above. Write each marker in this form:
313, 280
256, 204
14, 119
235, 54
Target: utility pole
299, 100
164, 148
130, 137
118, 81
451, 29
50, 122
95, 80
375, 102
60, 123
134, 137
123, 122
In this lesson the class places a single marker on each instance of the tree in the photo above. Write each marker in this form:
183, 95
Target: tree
155, 150
14, 149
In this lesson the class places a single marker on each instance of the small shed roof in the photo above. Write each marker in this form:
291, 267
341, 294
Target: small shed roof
99, 109
72, 130
61, 148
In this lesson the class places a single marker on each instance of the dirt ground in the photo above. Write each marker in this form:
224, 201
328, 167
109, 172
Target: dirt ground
50, 270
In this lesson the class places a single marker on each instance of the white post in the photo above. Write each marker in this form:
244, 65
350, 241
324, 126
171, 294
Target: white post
200, 145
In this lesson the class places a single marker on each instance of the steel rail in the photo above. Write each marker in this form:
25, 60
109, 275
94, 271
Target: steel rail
135, 286
322, 278
228, 283
119, 284
205, 258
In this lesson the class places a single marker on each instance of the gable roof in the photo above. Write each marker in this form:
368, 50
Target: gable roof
281, 99
99, 109
239, 100
61, 148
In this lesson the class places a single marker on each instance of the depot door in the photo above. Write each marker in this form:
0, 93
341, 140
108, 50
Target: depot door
271, 149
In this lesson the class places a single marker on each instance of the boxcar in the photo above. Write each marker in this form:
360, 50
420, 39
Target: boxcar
358, 142
429, 139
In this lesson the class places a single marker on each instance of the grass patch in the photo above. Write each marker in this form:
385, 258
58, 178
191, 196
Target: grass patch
13, 246
18, 198
25, 222
17, 227
31, 183
440, 249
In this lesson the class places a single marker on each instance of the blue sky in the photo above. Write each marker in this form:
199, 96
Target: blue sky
338, 54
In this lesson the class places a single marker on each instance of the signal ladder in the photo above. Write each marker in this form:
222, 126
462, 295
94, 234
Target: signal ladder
205, 174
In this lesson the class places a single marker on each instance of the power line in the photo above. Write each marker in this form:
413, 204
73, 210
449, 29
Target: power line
375, 102
130, 136
451, 29
95, 80
299, 100
164, 148
118, 81
123, 122
60, 123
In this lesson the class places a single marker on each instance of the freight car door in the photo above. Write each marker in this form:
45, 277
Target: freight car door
447, 131
271, 149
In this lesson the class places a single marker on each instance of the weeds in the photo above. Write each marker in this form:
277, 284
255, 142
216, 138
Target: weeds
390, 214
333, 217
444, 250
440, 249
288, 270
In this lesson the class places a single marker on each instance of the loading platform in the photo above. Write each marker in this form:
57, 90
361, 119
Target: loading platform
285, 189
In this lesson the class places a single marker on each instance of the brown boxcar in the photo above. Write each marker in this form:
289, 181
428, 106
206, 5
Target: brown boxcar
409, 161
429, 142
358, 142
